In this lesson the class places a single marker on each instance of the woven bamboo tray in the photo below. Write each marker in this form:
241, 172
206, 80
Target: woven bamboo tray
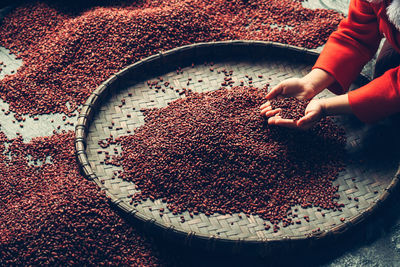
369, 179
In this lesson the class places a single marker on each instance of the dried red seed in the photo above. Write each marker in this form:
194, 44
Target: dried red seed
167, 124
70, 205
45, 61
49, 63
291, 108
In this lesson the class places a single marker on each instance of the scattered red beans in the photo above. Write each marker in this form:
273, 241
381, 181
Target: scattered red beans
67, 54
213, 152
51, 215
291, 107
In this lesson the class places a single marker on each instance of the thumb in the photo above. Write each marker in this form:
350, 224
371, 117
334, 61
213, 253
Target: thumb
306, 120
277, 90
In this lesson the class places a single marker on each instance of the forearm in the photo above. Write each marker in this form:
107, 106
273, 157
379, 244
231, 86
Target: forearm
350, 47
336, 105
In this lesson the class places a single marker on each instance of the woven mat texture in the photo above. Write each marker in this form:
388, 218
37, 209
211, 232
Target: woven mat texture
365, 178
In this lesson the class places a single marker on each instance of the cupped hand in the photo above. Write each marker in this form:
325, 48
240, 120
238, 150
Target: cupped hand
313, 113
293, 87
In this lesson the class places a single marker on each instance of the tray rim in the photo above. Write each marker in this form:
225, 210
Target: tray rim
150, 224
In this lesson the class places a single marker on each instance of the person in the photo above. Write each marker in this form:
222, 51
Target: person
347, 50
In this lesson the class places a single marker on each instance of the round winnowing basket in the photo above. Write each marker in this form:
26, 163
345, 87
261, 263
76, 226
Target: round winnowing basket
114, 109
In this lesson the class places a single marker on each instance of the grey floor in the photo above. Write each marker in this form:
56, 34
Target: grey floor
377, 242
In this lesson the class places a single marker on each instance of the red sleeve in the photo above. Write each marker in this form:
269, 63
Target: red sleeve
350, 47
378, 99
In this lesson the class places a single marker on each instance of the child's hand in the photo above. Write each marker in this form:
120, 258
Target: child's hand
306, 88
293, 87
313, 113
301, 88
315, 110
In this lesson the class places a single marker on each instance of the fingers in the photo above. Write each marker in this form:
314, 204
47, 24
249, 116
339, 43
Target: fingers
277, 90
276, 120
267, 110
272, 113
307, 121
266, 104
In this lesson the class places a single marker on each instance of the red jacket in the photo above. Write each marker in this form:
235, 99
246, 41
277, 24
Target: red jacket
350, 47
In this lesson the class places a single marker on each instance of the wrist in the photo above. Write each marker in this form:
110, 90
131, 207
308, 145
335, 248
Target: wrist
324, 107
316, 81
309, 87
335, 105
